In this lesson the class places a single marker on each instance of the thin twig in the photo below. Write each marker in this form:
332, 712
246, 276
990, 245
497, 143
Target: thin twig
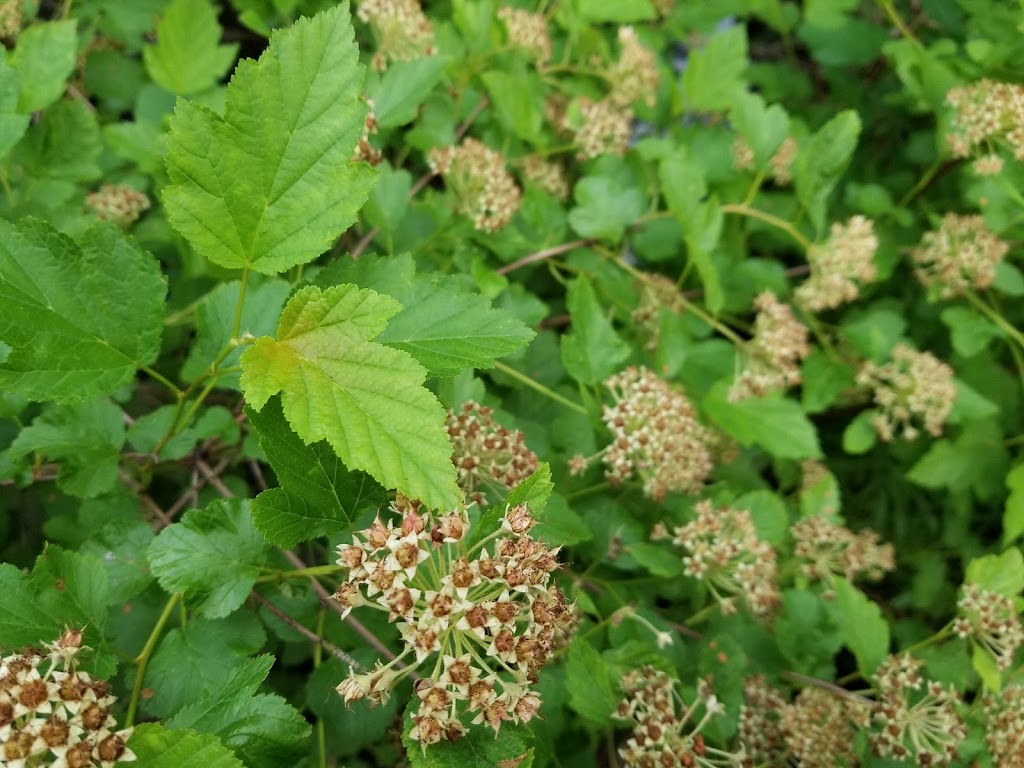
257, 474
825, 685
554, 250
163, 519
306, 632
213, 478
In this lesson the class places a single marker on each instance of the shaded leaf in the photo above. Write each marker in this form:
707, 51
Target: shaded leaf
864, 630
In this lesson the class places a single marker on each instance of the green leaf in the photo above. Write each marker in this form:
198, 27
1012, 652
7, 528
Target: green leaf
776, 424
271, 184
1003, 573
511, 747
592, 351
985, 665
533, 492
86, 439
1013, 514
318, 495
976, 460
764, 128
518, 99
44, 59
822, 380
389, 200
618, 11
864, 630
604, 208
561, 525
822, 161
213, 556
874, 333
806, 634
768, 513
860, 435
588, 683
657, 560
12, 123
403, 87
63, 145
157, 747
970, 332
714, 74
367, 400
187, 58
79, 317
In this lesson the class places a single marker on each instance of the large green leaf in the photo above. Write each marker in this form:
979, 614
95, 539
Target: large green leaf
776, 424
157, 747
187, 57
822, 161
592, 351
367, 400
587, 681
80, 318
45, 58
714, 73
271, 184
318, 495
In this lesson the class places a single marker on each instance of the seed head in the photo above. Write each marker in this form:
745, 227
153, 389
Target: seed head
839, 266
11, 17
772, 358
780, 164
547, 175
1004, 726
961, 255
820, 728
485, 190
760, 729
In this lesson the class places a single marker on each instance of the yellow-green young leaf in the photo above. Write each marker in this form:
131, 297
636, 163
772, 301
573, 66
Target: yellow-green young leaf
187, 57
44, 58
157, 747
367, 400
271, 184
79, 317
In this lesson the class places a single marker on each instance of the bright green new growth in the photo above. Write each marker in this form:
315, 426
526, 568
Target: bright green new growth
367, 400
271, 184
187, 58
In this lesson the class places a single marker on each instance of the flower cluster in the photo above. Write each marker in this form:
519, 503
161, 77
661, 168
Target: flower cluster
528, 32
1004, 726
403, 32
962, 254
657, 294
485, 611
918, 720
365, 151
780, 165
547, 175
53, 714
760, 728
984, 113
666, 730
486, 192
827, 548
820, 728
913, 385
120, 204
772, 357
634, 76
11, 18
487, 456
990, 620
839, 266
656, 435
604, 128
723, 551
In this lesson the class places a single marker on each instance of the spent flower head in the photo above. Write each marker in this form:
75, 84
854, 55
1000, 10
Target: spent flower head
528, 32
961, 255
984, 114
820, 727
117, 203
826, 549
403, 33
772, 358
547, 175
634, 75
604, 128
989, 620
913, 387
1004, 726
486, 191
760, 729
839, 266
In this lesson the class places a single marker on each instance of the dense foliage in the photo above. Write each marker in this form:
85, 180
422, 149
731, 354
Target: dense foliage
562, 383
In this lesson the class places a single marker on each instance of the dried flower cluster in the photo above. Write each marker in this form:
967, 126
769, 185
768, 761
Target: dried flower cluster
772, 358
990, 620
962, 254
53, 714
655, 435
486, 192
604, 128
820, 728
485, 612
528, 32
666, 730
657, 294
487, 456
984, 113
760, 728
120, 204
634, 76
839, 266
913, 386
918, 720
403, 33
827, 548
780, 165
365, 151
1004, 726
724, 552
11, 18
546, 174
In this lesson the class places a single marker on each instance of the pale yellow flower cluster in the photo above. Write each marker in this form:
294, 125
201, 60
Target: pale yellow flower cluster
604, 128
403, 32
772, 358
634, 75
961, 255
548, 175
985, 113
839, 266
528, 32
114, 202
486, 191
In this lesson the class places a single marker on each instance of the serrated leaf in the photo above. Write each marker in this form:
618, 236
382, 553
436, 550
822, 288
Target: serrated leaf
187, 57
822, 161
604, 208
318, 495
1002, 573
778, 425
271, 184
44, 59
592, 351
656, 560
511, 747
367, 400
518, 98
864, 630
403, 87
85, 438
12, 123
969, 331
79, 317
714, 73
213, 556
822, 380
533, 492
588, 684
63, 145
560, 525
764, 127
156, 747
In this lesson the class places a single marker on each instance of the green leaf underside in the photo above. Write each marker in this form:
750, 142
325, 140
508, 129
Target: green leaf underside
367, 400
80, 317
187, 58
318, 495
157, 747
271, 184
212, 556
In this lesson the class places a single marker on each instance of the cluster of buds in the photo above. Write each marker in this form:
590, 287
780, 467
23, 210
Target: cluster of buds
1004, 726
918, 720
527, 32
760, 728
478, 619
914, 385
634, 76
839, 266
780, 165
655, 435
666, 730
820, 728
724, 552
11, 18
990, 620
985, 113
365, 152
403, 33
604, 128
772, 357
487, 456
547, 175
120, 204
53, 714
961, 255
657, 294
486, 192
826, 548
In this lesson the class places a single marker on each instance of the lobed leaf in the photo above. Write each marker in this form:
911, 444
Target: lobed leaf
157, 747
592, 351
187, 58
